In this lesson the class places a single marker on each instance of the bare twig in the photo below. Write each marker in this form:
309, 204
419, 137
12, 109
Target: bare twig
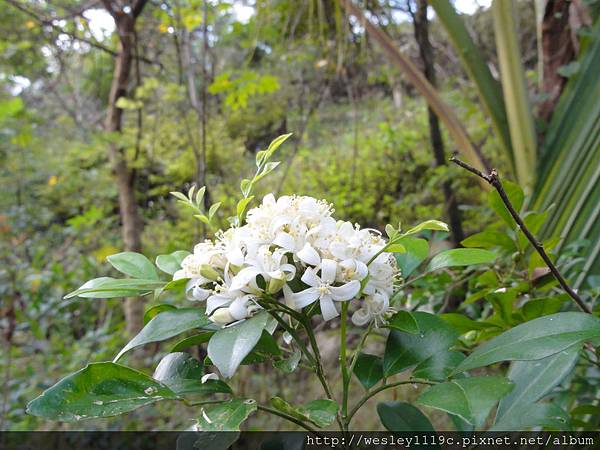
494, 180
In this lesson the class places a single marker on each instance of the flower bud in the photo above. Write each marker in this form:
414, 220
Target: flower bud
208, 272
275, 285
222, 316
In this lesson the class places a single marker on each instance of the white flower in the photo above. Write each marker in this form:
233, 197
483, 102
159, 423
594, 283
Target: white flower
271, 265
322, 289
373, 307
283, 241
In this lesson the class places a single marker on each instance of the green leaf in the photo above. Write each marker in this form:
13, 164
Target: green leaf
460, 257
178, 365
171, 263
213, 209
179, 196
290, 364
192, 341
166, 325
156, 310
245, 186
515, 195
428, 225
395, 248
133, 264
536, 339
471, 399
534, 222
199, 195
368, 369
275, 144
172, 285
464, 324
417, 250
106, 287
400, 416
534, 379
438, 366
320, 412
99, 390
243, 204
265, 348
545, 415
182, 373
403, 350
226, 416
403, 321
490, 239
229, 346
539, 307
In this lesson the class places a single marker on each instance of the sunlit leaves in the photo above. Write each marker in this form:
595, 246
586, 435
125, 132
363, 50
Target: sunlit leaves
183, 375
319, 412
536, 339
547, 415
534, 379
99, 390
403, 321
471, 399
166, 325
416, 251
460, 257
133, 264
171, 263
404, 350
434, 225
229, 346
226, 416
368, 369
106, 287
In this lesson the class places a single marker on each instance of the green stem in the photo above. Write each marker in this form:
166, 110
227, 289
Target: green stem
344, 363
384, 387
319, 368
294, 335
360, 346
288, 418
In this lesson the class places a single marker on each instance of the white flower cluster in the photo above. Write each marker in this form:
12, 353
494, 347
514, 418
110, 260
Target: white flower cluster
293, 250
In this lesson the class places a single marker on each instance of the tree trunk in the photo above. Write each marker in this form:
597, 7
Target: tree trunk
559, 45
421, 29
131, 222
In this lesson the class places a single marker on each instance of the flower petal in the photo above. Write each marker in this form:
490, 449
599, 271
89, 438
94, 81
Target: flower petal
328, 309
305, 297
309, 277
346, 291
235, 256
238, 308
216, 301
328, 270
244, 277
361, 317
309, 255
284, 240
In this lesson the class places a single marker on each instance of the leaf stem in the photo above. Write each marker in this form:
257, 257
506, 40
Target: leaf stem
494, 180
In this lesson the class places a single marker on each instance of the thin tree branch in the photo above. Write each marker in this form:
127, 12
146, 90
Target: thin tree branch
57, 29
494, 180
